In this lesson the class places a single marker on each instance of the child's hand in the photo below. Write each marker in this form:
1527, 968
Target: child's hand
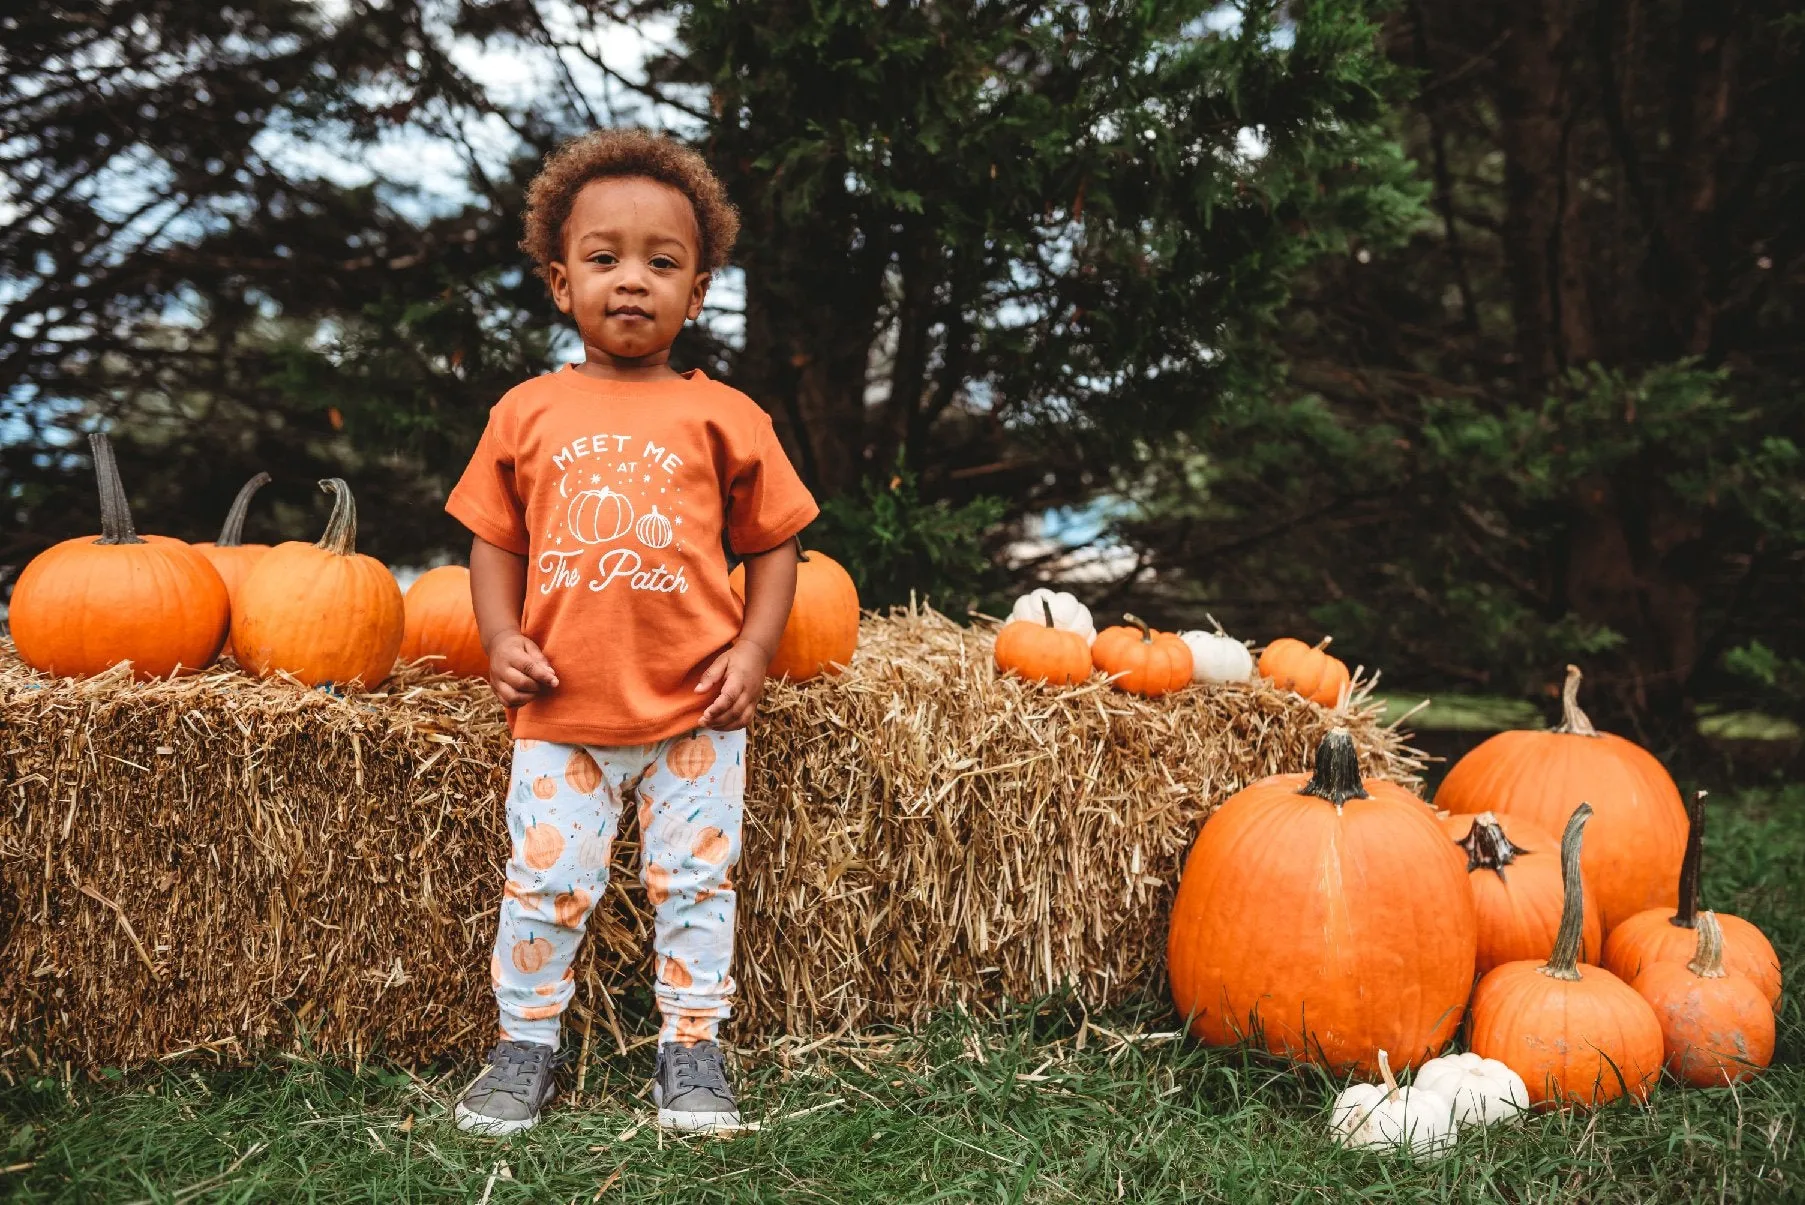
740, 674
518, 670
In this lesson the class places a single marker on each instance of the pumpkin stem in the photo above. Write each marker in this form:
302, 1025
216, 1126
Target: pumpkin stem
1337, 776
1322, 644
1563, 963
341, 528
1687, 916
1215, 623
1708, 960
1146, 632
1391, 1081
1573, 720
115, 514
231, 532
1487, 847
1046, 608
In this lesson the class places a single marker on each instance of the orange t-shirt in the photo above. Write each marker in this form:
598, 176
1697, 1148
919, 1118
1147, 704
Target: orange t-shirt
618, 494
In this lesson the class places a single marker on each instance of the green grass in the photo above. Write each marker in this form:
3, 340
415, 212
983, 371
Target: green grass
1747, 726
1014, 1109
1463, 713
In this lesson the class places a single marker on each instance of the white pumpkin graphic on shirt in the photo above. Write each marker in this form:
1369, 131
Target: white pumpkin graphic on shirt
653, 529
599, 516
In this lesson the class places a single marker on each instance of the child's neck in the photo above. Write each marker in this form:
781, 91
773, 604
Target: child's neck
604, 367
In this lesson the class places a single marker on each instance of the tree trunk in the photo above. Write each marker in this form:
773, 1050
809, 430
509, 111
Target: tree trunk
1541, 232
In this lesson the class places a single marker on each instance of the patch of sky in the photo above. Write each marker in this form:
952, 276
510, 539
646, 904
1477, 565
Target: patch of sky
1086, 523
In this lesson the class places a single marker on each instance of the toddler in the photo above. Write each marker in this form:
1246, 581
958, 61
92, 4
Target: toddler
602, 498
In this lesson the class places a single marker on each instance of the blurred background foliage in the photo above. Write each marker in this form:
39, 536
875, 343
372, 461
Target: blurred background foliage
1469, 333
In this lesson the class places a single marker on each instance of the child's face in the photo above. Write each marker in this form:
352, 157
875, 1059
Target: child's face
631, 270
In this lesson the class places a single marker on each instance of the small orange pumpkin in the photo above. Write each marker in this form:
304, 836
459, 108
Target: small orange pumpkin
1293, 665
1634, 850
87, 604
570, 907
543, 846
1042, 652
672, 972
582, 773
229, 554
1717, 1026
1305, 900
822, 631
1150, 663
1576, 1034
1514, 869
711, 845
690, 756
1670, 934
440, 622
322, 612
531, 954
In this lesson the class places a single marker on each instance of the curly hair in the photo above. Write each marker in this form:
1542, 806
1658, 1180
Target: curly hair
624, 152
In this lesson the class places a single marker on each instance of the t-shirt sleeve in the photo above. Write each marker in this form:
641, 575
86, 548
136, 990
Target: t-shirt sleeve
766, 501
485, 498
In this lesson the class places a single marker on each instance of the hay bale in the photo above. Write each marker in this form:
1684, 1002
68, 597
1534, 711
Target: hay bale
235, 865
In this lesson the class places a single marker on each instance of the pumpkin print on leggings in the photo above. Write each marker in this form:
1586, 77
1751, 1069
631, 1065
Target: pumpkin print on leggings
688, 791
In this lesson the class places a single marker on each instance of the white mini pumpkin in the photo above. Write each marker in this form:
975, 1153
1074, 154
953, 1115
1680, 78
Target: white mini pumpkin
1217, 657
1378, 1117
1069, 615
1483, 1090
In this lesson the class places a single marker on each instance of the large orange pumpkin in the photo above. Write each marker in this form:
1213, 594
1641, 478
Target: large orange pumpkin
1671, 934
1149, 663
1718, 1026
1293, 665
1514, 869
89, 603
1325, 919
1639, 835
230, 555
1576, 1034
1041, 652
440, 622
823, 629
322, 612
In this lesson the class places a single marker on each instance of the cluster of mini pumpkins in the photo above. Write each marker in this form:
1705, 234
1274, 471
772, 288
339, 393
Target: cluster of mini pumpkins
1051, 637
322, 613
1581, 966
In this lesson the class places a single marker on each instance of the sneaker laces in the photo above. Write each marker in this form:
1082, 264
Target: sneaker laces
695, 1067
513, 1067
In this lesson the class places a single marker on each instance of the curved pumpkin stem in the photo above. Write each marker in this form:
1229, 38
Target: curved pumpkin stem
231, 532
1391, 1081
1573, 720
1146, 632
1563, 963
115, 514
341, 528
1487, 847
1687, 916
1708, 959
1337, 776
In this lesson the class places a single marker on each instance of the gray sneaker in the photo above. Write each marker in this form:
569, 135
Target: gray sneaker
508, 1097
691, 1089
